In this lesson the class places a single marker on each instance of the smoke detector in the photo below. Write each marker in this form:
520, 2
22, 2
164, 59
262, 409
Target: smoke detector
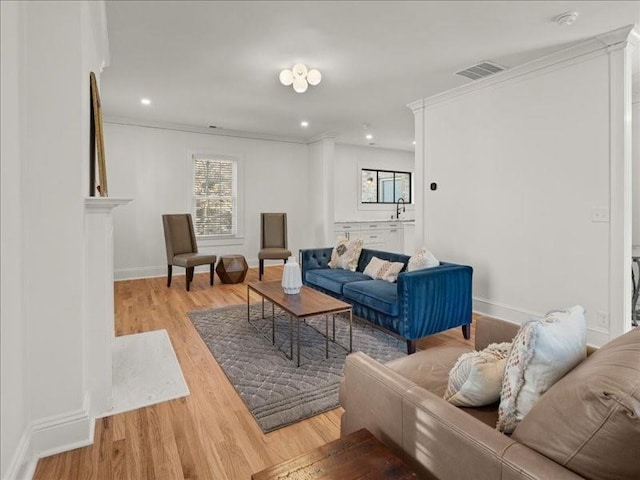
481, 70
567, 18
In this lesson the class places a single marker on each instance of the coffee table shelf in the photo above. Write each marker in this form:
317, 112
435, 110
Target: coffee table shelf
307, 303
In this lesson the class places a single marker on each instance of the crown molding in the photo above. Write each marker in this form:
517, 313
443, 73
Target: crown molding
599, 45
323, 136
99, 29
116, 120
417, 105
622, 36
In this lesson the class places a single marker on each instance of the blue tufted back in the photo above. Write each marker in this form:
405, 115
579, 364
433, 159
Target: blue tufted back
367, 255
315, 258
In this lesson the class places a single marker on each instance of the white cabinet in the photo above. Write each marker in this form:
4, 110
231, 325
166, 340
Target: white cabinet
386, 236
395, 238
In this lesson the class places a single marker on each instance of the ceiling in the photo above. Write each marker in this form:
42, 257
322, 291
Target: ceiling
217, 63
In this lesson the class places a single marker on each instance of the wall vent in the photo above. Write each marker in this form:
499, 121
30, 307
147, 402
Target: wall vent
481, 70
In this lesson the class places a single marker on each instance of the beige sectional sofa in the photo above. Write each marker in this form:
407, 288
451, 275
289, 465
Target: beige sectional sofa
586, 426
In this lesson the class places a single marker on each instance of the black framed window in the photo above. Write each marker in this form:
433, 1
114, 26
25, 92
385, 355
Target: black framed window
385, 186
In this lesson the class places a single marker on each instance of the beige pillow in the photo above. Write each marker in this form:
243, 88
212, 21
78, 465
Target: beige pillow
346, 253
476, 378
542, 352
423, 258
383, 269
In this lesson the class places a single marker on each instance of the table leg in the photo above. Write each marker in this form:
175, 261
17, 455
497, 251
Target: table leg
273, 327
350, 331
291, 337
334, 327
248, 311
298, 322
262, 307
326, 335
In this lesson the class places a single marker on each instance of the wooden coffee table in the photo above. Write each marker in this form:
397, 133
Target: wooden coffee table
307, 303
356, 456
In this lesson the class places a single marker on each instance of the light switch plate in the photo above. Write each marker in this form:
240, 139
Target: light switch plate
600, 214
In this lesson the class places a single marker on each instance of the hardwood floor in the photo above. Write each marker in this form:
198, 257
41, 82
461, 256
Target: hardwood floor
209, 434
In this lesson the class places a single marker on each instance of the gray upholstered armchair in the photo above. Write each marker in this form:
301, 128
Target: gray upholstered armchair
273, 239
182, 248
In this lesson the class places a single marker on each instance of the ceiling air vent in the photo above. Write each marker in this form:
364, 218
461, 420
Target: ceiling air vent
481, 70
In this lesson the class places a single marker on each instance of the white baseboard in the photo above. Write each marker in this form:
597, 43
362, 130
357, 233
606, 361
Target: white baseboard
50, 436
18, 463
503, 311
61, 433
161, 270
595, 336
142, 272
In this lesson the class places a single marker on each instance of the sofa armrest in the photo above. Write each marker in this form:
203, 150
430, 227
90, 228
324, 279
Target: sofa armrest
430, 434
312, 258
371, 395
434, 299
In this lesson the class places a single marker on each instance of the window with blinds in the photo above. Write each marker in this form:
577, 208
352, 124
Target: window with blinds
214, 197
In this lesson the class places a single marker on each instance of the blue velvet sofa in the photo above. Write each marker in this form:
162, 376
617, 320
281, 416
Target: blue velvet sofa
420, 303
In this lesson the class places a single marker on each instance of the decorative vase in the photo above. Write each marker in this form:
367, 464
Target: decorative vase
291, 277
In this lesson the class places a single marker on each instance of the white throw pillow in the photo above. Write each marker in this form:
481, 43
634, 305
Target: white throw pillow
346, 253
476, 378
383, 269
423, 258
542, 352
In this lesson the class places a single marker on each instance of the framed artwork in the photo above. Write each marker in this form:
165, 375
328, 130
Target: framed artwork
97, 144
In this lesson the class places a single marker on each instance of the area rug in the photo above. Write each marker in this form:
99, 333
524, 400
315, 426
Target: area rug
145, 371
276, 391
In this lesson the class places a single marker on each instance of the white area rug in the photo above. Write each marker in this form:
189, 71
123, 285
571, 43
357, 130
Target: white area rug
145, 371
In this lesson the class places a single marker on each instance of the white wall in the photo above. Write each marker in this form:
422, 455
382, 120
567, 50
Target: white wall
48, 49
520, 165
636, 173
349, 161
13, 413
152, 166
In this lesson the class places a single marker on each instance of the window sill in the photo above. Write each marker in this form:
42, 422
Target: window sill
220, 241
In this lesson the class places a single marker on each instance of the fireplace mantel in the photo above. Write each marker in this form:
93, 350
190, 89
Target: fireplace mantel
98, 310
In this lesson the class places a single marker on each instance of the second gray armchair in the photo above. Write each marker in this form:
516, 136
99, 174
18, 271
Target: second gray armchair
273, 239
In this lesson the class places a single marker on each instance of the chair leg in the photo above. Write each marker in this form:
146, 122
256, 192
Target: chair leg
211, 270
411, 347
189, 277
466, 331
260, 269
169, 270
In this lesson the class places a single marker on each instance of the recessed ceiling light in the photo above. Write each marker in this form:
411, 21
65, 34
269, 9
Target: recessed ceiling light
145, 101
368, 136
414, 142
304, 124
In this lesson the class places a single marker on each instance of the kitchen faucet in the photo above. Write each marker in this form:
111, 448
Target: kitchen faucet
404, 208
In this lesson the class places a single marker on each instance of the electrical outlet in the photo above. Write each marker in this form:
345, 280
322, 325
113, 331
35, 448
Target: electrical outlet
600, 214
603, 320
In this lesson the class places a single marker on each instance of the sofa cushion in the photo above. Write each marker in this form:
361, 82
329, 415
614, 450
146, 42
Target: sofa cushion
542, 352
346, 253
376, 294
383, 269
367, 255
423, 258
333, 280
589, 421
476, 378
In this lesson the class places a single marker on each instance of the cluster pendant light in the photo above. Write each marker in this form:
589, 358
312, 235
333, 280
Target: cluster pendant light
300, 77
